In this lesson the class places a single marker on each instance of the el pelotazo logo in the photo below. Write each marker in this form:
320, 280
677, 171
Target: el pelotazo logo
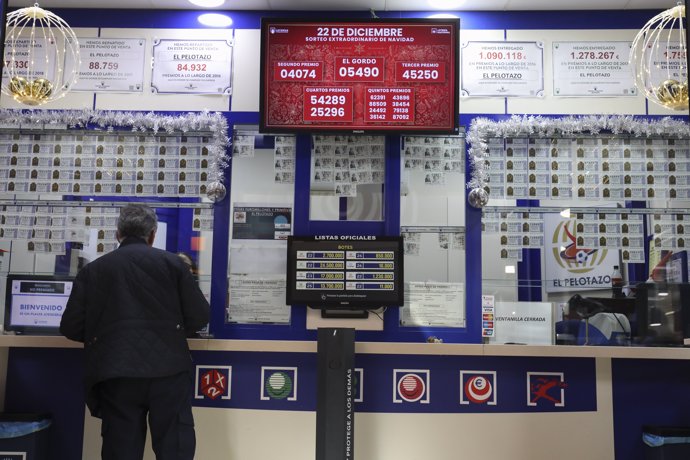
569, 254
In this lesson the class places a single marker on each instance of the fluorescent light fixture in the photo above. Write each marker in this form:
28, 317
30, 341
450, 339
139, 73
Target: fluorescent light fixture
510, 269
444, 16
215, 20
446, 4
207, 3
566, 213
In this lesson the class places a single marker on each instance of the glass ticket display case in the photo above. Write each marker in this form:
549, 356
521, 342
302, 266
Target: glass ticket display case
432, 218
261, 218
565, 214
62, 189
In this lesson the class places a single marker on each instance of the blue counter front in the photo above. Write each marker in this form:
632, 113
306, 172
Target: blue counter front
411, 399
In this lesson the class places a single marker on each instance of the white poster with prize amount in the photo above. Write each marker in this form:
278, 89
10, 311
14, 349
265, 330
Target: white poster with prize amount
192, 67
502, 69
110, 65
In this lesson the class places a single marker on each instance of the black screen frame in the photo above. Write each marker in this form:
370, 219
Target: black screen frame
371, 302
679, 297
22, 329
322, 128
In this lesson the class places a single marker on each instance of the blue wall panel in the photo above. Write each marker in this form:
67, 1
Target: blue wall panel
647, 392
49, 380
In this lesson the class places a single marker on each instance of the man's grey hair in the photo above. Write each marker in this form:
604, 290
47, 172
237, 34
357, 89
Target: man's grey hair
136, 220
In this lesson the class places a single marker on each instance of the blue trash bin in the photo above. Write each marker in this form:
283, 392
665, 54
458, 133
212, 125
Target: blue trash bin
24, 436
666, 442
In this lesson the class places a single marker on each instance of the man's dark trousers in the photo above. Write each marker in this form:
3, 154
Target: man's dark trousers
125, 405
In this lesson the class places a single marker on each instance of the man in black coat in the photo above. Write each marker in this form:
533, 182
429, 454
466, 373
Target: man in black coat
133, 309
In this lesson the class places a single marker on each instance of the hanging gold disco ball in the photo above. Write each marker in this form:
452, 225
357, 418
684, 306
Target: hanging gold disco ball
673, 94
18, 85
31, 93
658, 57
37, 43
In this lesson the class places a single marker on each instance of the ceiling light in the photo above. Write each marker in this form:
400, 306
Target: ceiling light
444, 16
207, 3
446, 4
215, 20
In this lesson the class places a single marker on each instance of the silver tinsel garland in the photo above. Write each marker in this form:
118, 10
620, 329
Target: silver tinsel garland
482, 129
142, 122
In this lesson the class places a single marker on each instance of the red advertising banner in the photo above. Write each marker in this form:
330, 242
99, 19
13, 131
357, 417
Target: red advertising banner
357, 76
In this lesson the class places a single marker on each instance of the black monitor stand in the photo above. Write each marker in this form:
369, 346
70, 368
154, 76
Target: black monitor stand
335, 394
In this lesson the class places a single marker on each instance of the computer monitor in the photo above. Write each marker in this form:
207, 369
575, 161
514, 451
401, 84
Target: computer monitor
34, 304
662, 313
359, 75
345, 272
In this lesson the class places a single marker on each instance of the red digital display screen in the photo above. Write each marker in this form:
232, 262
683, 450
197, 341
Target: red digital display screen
359, 76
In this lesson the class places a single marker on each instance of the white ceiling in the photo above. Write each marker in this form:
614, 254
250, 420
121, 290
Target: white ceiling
359, 5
